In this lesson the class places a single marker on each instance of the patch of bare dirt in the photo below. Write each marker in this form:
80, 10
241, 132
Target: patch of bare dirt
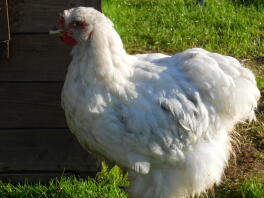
256, 64
249, 156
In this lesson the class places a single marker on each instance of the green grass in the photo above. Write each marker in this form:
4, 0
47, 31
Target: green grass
229, 27
260, 82
105, 185
251, 188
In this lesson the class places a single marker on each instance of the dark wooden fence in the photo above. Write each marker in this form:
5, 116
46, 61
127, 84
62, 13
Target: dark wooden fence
34, 140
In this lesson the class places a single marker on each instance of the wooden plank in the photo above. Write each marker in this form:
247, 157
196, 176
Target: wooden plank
4, 30
98, 4
31, 105
36, 58
40, 16
4, 20
49, 150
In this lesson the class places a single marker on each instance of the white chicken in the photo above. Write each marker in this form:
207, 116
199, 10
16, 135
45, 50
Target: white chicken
166, 119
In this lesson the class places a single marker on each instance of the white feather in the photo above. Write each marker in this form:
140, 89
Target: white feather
167, 119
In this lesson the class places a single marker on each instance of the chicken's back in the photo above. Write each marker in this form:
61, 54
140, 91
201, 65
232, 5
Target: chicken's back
222, 82
223, 93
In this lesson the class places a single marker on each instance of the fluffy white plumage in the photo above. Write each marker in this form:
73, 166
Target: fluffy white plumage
167, 119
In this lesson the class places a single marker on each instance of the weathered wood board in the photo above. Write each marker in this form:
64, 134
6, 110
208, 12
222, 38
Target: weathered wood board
35, 58
4, 30
31, 105
39, 16
44, 148
34, 140
40, 151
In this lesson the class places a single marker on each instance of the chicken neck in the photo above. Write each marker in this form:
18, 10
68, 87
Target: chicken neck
103, 60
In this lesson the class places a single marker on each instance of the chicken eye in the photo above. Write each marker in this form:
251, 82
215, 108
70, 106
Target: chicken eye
76, 24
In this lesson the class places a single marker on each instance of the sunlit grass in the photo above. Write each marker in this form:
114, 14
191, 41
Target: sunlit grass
225, 26
260, 82
250, 188
105, 185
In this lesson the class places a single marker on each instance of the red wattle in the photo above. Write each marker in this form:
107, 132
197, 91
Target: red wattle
67, 39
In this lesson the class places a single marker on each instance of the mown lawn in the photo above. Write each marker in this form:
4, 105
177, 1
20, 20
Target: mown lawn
106, 184
231, 27
227, 26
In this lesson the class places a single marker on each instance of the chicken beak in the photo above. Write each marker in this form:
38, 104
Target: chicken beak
56, 30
